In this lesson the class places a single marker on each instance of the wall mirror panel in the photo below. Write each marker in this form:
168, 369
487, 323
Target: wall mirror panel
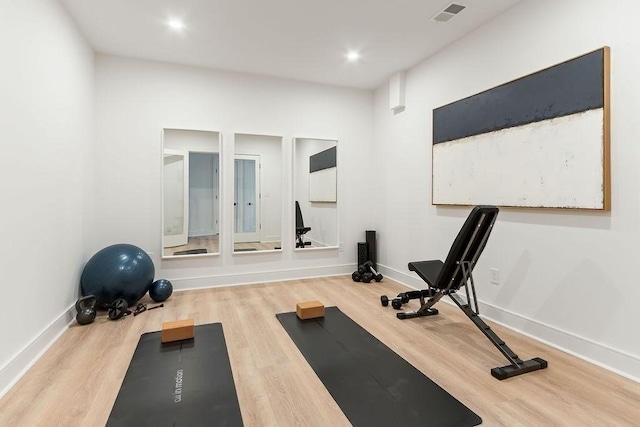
315, 193
257, 191
190, 193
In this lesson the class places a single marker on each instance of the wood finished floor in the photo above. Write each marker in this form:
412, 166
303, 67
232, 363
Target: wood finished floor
212, 246
78, 378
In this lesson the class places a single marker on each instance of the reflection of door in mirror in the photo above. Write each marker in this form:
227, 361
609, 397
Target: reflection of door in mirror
315, 191
257, 193
190, 196
246, 198
176, 184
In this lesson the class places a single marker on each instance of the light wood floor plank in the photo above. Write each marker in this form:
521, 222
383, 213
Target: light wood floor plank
76, 382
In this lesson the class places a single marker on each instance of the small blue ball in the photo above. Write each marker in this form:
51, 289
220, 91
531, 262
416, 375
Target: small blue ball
161, 290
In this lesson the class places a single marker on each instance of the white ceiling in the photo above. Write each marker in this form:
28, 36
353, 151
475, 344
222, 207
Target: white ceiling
296, 39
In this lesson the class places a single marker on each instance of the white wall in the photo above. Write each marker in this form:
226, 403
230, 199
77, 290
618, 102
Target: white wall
135, 99
269, 148
46, 87
566, 276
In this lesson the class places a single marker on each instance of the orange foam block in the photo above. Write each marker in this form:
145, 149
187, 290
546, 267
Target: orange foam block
310, 309
177, 330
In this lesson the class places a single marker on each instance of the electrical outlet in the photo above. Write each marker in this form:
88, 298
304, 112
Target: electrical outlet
340, 247
494, 276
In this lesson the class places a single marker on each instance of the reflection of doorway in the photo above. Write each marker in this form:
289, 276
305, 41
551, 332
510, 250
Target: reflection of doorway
191, 197
203, 194
175, 173
246, 198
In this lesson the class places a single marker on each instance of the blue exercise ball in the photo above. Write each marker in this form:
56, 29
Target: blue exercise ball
117, 271
161, 290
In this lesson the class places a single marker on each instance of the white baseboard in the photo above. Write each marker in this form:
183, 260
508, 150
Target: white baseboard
614, 360
29, 355
314, 243
201, 233
250, 278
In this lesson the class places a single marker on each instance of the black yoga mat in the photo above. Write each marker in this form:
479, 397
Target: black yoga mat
184, 383
372, 385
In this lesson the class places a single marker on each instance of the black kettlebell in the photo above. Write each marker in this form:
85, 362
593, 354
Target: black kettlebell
87, 301
85, 310
86, 316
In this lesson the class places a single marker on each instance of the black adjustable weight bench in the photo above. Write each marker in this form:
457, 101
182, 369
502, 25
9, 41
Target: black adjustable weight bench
301, 230
446, 278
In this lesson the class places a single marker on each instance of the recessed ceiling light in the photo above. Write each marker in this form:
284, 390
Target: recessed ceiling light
353, 56
175, 24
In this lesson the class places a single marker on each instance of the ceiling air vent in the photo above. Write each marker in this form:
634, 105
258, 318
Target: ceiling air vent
452, 10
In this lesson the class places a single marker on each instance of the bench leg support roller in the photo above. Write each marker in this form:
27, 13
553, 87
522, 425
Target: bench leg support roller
310, 310
177, 330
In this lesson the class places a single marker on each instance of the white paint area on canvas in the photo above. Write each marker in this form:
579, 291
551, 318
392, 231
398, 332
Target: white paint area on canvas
553, 163
323, 185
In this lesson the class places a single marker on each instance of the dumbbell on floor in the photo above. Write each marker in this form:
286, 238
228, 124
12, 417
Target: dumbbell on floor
395, 302
368, 266
365, 277
362, 275
366, 273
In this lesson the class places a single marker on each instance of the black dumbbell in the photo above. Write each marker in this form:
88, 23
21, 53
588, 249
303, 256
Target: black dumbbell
85, 310
367, 277
396, 302
356, 276
369, 268
403, 297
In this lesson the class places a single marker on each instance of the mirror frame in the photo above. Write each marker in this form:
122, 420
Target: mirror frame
294, 187
220, 193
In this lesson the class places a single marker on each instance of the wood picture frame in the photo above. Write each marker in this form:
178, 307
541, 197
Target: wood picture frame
540, 141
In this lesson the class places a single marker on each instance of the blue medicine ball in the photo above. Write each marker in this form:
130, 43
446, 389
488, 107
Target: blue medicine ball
117, 271
161, 290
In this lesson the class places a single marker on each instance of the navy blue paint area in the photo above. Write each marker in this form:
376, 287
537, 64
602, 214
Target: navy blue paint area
372, 385
567, 88
184, 383
323, 160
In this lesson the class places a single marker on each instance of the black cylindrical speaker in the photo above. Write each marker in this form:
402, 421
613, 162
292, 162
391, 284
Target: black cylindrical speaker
363, 253
371, 247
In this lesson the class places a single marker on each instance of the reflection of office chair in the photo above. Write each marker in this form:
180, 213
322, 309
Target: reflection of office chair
300, 228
